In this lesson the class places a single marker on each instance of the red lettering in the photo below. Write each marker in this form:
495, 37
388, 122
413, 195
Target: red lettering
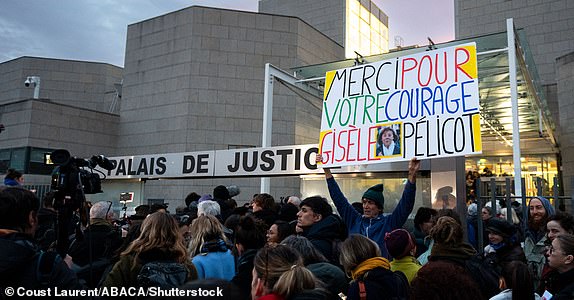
344, 154
428, 58
436, 68
457, 64
405, 70
372, 141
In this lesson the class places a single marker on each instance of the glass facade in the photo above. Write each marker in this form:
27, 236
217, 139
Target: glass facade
354, 185
28, 160
365, 33
539, 171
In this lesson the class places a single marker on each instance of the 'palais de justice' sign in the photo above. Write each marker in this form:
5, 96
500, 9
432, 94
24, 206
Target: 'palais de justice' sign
423, 105
270, 161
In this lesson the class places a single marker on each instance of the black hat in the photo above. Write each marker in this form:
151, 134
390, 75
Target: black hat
501, 227
220, 192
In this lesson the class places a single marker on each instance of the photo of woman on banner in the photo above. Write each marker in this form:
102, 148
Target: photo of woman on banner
388, 140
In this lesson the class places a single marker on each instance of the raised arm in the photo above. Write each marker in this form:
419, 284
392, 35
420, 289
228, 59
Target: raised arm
347, 212
407, 202
414, 166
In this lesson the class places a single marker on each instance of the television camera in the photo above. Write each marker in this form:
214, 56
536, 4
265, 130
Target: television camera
71, 182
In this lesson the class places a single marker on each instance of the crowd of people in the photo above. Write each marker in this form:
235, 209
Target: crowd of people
295, 249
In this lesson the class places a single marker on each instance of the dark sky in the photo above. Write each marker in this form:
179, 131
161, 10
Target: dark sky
95, 30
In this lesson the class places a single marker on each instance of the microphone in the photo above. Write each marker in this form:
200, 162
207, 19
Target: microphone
103, 162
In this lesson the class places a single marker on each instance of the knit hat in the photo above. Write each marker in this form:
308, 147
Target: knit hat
233, 191
375, 193
205, 198
399, 243
547, 206
220, 192
501, 227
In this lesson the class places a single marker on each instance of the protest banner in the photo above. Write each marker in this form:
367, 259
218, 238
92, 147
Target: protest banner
423, 105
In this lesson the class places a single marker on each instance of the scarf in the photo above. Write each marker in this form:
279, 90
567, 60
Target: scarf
216, 246
11, 182
369, 264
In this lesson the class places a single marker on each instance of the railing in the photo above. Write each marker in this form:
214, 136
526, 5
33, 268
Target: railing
556, 200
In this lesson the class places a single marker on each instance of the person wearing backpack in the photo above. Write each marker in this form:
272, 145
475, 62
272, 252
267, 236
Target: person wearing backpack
148, 260
371, 273
22, 263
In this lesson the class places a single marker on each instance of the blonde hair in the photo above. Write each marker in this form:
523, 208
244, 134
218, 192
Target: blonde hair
447, 231
503, 214
283, 271
204, 229
159, 231
355, 250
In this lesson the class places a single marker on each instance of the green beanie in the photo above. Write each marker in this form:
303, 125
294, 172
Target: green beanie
375, 193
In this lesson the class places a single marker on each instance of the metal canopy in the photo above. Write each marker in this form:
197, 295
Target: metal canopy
535, 124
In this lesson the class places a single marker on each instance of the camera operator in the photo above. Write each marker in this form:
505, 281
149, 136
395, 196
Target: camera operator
22, 263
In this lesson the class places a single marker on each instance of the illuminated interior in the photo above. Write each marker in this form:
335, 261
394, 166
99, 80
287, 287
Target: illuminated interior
365, 33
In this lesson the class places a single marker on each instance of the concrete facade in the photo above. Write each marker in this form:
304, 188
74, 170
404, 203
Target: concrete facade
565, 90
193, 81
549, 28
82, 84
327, 16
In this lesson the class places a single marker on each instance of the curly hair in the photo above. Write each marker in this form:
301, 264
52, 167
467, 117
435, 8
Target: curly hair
447, 231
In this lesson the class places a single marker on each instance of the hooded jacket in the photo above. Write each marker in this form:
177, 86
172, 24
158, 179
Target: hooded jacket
19, 265
535, 246
324, 234
373, 228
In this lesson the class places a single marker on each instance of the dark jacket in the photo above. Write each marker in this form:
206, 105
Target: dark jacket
465, 256
375, 228
104, 241
505, 255
325, 236
19, 265
45, 234
380, 284
332, 278
244, 273
562, 285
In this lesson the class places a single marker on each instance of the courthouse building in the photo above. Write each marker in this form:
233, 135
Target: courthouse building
193, 81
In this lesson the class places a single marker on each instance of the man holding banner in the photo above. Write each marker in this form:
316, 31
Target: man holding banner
373, 224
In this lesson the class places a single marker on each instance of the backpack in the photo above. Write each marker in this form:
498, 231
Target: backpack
484, 275
45, 264
164, 274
